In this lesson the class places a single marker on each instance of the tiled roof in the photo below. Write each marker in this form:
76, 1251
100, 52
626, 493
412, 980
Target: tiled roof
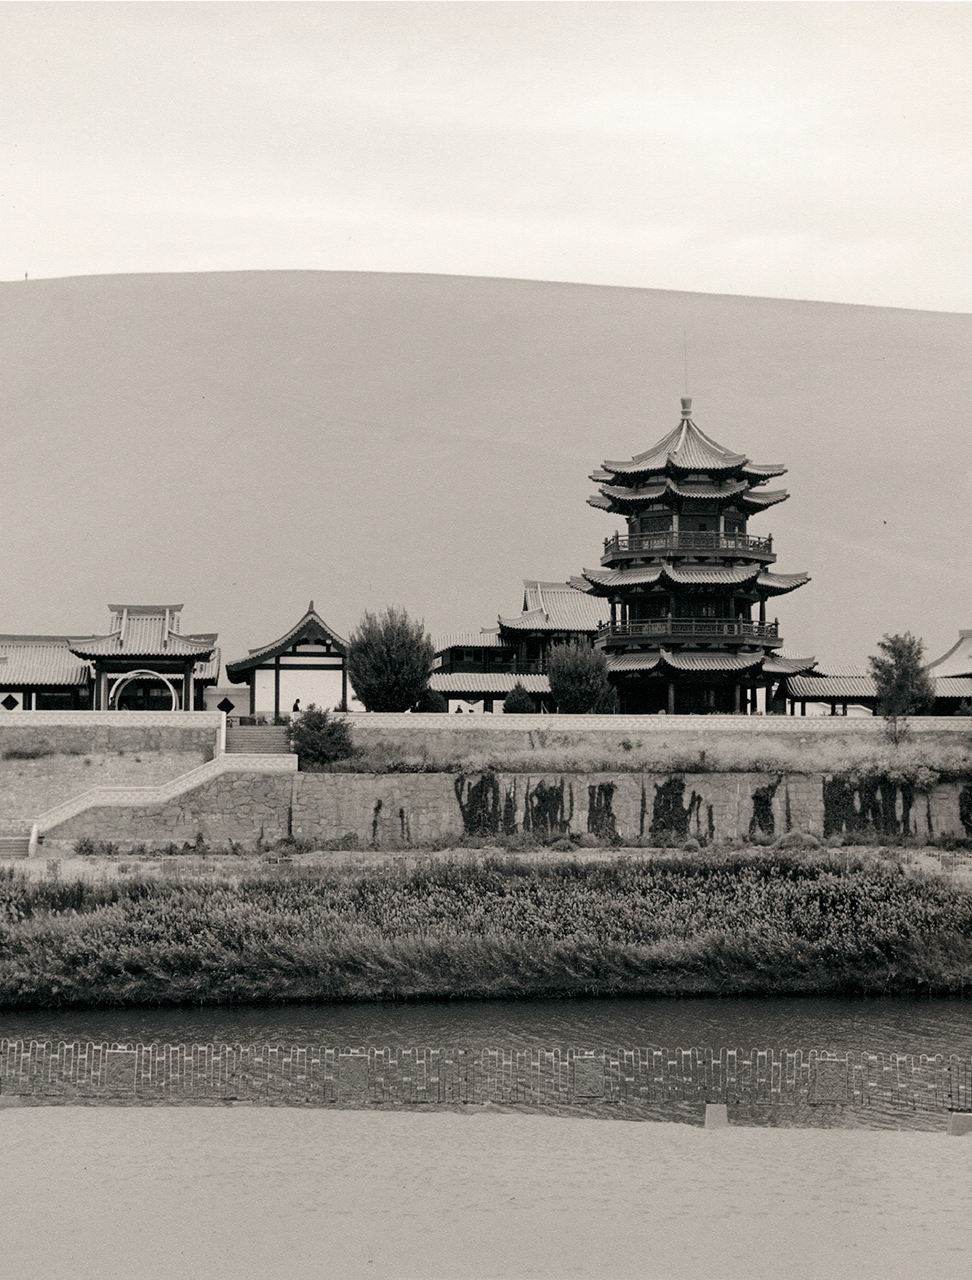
147, 631
778, 665
462, 682
555, 606
620, 662
605, 580
777, 584
311, 627
485, 639
758, 500
711, 661
957, 661
40, 660
686, 448
858, 688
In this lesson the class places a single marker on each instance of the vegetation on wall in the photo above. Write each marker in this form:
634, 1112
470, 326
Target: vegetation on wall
778, 923
579, 679
390, 660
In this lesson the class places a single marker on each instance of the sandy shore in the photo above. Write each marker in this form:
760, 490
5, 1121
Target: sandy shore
122, 1192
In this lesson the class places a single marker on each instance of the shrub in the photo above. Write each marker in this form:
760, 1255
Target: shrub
318, 740
431, 701
518, 702
390, 660
578, 678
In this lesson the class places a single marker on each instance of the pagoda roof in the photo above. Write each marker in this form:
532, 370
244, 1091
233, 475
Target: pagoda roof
606, 581
824, 687
957, 661
310, 629
688, 449
145, 631
554, 606
711, 661
686, 464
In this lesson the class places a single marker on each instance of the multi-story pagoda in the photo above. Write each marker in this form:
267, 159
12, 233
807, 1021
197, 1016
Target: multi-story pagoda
687, 584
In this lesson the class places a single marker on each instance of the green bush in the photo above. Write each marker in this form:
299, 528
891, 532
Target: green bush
431, 702
518, 702
390, 661
578, 678
318, 740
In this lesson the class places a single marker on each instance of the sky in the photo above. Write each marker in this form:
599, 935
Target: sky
815, 151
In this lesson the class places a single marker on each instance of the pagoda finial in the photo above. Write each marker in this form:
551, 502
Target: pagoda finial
310, 607
686, 406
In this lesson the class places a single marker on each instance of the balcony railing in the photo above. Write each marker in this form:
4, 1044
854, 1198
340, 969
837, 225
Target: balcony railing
690, 629
654, 543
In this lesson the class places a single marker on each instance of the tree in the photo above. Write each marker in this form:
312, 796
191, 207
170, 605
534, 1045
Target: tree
518, 702
578, 678
318, 740
390, 660
901, 681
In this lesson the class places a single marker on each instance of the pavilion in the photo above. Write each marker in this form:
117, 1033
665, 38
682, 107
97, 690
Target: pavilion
686, 585
309, 663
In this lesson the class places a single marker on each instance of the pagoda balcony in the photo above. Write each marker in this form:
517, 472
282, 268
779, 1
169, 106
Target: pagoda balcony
687, 543
690, 629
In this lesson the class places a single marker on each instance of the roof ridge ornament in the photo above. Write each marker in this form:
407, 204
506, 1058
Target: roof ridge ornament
686, 406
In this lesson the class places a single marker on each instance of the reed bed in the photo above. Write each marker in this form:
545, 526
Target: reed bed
494, 927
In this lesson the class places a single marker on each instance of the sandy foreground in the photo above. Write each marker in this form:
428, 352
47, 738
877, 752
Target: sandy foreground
107, 1192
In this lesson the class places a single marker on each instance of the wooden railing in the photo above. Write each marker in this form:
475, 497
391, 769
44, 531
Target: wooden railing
687, 542
690, 628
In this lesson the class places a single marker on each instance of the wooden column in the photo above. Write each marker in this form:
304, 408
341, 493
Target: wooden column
276, 687
344, 685
187, 687
735, 697
671, 697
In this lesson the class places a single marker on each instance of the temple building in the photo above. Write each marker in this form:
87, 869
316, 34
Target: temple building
307, 664
686, 584
142, 663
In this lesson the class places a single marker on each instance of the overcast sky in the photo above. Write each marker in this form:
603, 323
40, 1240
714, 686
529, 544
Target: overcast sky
791, 150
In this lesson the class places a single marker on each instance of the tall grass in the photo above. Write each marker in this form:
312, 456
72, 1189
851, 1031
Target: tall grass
748, 924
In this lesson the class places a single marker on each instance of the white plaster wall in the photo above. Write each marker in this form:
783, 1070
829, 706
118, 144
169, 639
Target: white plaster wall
323, 688
264, 693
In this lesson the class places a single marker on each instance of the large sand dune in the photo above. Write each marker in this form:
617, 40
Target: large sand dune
246, 441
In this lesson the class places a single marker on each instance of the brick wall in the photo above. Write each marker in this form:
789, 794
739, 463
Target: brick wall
646, 1077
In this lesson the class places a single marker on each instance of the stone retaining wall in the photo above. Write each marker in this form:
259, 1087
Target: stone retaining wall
47, 757
882, 1083
393, 811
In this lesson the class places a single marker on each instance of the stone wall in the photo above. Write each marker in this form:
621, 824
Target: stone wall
647, 1078
389, 811
240, 807
48, 757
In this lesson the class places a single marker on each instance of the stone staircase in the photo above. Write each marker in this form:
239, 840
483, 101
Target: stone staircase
258, 740
14, 846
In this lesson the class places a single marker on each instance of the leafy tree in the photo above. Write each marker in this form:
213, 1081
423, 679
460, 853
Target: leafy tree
318, 740
390, 660
578, 678
902, 684
518, 702
431, 700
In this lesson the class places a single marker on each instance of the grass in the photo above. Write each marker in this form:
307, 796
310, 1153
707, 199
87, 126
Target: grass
496, 927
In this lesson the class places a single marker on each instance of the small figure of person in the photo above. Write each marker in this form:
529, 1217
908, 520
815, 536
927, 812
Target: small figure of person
295, 709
